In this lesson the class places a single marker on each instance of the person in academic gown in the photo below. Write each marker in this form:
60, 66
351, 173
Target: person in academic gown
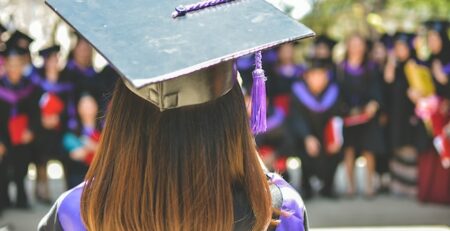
315, 104
24, 41
58, 113
80, 144
18, 107
177, 150
80, 71
362, 99
323, 50
439, 61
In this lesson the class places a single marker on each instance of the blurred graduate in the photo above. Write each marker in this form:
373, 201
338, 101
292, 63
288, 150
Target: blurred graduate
315, 125
362, 98
19, 115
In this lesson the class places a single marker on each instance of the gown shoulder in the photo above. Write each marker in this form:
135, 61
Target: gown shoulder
65, 214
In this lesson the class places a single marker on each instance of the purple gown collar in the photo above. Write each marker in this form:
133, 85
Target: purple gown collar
89, 71
357, 71
69, 214
14, 96
322, 104
446, 69
292, 205
276, 119
290, 71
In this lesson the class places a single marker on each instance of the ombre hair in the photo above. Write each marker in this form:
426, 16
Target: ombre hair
176, 169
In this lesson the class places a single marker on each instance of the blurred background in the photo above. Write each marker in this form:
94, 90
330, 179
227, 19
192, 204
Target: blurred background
358, 117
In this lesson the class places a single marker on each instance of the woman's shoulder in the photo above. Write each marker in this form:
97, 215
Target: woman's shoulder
65, 213
293, 211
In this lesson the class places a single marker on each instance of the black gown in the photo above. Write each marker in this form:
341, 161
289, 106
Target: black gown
48, 143
359, 86
16, 101
85, 80
405, 128
309, 117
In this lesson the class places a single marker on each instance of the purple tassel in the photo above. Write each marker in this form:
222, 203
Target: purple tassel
258, 116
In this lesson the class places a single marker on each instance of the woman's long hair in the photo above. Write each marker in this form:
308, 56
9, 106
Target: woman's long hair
174, 170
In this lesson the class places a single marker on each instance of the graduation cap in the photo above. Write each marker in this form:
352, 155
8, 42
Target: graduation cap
323, 39
405, 38
180, 53
440, 26
387, 40
2, 28
13, 50
46, 52
317, 63
20, 39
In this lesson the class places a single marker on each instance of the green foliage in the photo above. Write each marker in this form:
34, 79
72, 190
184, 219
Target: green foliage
338, 18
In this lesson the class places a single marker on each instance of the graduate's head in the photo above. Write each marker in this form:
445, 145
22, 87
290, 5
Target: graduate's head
14, 63
286, 53
51, 58
87, 108
379, 52
316, 77
403, 46
82, 52
437, 35
176, 141
356, 47
323, 47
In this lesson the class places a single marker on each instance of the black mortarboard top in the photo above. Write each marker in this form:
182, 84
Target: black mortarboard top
2, 28
317, 63
20, 39
404, 37
46, 52
178, 61
323, 39
13, 50
387, 40
440, 26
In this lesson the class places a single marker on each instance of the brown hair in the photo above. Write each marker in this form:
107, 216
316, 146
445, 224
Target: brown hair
174, 170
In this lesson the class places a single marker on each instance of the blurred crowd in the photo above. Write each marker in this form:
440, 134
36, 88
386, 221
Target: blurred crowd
381, 102
48, 113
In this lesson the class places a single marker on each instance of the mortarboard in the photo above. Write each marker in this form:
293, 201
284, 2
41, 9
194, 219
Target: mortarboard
323, 39
20, 39
13, 50
179, 53
440, 26
317, 63
2, 28
46, 52
407, 38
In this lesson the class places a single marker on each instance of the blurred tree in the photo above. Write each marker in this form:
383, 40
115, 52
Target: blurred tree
338, 18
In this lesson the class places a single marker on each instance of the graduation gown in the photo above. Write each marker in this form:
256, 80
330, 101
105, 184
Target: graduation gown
405, 128
359, 86
310, 115
18, 112
49, 140
84, 79
65, 213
